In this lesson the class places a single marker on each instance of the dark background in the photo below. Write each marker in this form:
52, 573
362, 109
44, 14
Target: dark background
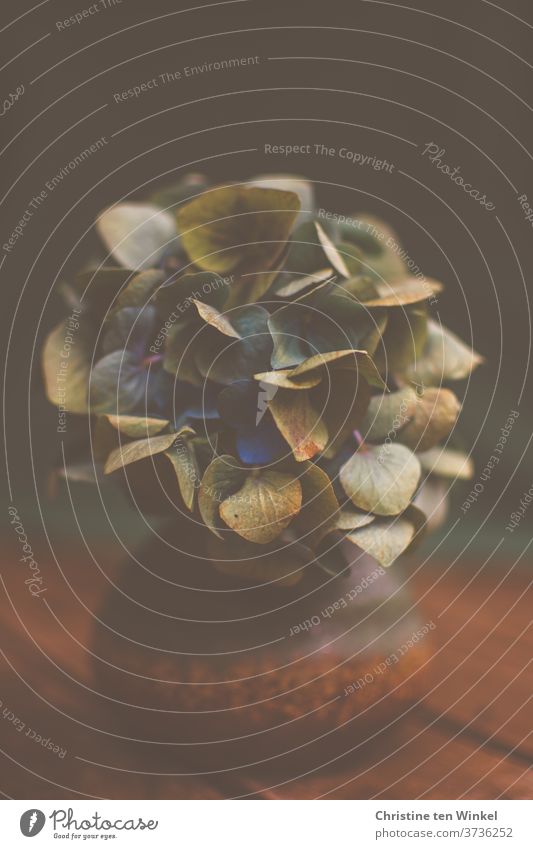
377, 76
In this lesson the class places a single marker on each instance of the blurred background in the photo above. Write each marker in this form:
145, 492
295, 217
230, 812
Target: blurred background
383, 80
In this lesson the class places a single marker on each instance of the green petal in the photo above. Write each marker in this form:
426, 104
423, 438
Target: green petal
216, 319
139, 290
403, 340
237, 227
225, 360
401, 293
350, 520
443, 357
306, 254
434, 417
432, 500
136, 234
282, 377
78, 473
332, 254
290, 183
366, 233
344, 398
249, 288
351, 257
182, 455
222, 477
67, 369
447, 463
386, 539
300, 284
323, 320
175, 299
263, 507
137, 426
131, 452
389, 413
181, 343
319, 505
350, 359
374, 338
360, 287
382, 479
379, 246
299, 423
290, 345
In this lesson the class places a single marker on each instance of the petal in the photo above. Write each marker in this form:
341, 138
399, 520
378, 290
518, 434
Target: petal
137, 235
132, 329
118, 384
262, 444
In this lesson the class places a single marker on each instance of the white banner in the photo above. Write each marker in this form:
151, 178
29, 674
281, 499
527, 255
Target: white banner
247, 824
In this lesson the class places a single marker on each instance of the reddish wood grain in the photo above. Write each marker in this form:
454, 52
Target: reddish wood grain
469, 737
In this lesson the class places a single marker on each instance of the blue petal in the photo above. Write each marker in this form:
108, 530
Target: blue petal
118, 384
262, 444
131, 328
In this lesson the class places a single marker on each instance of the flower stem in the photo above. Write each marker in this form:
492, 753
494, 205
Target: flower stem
150, 361
358, 438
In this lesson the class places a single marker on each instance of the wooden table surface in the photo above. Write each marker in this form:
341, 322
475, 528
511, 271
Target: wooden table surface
468, 737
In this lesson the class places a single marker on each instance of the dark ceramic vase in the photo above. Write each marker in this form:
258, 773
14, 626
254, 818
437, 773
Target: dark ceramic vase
229, 674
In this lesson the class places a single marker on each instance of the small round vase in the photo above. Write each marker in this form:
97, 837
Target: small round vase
219, 673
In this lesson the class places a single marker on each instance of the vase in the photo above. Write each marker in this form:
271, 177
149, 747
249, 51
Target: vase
217, 673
